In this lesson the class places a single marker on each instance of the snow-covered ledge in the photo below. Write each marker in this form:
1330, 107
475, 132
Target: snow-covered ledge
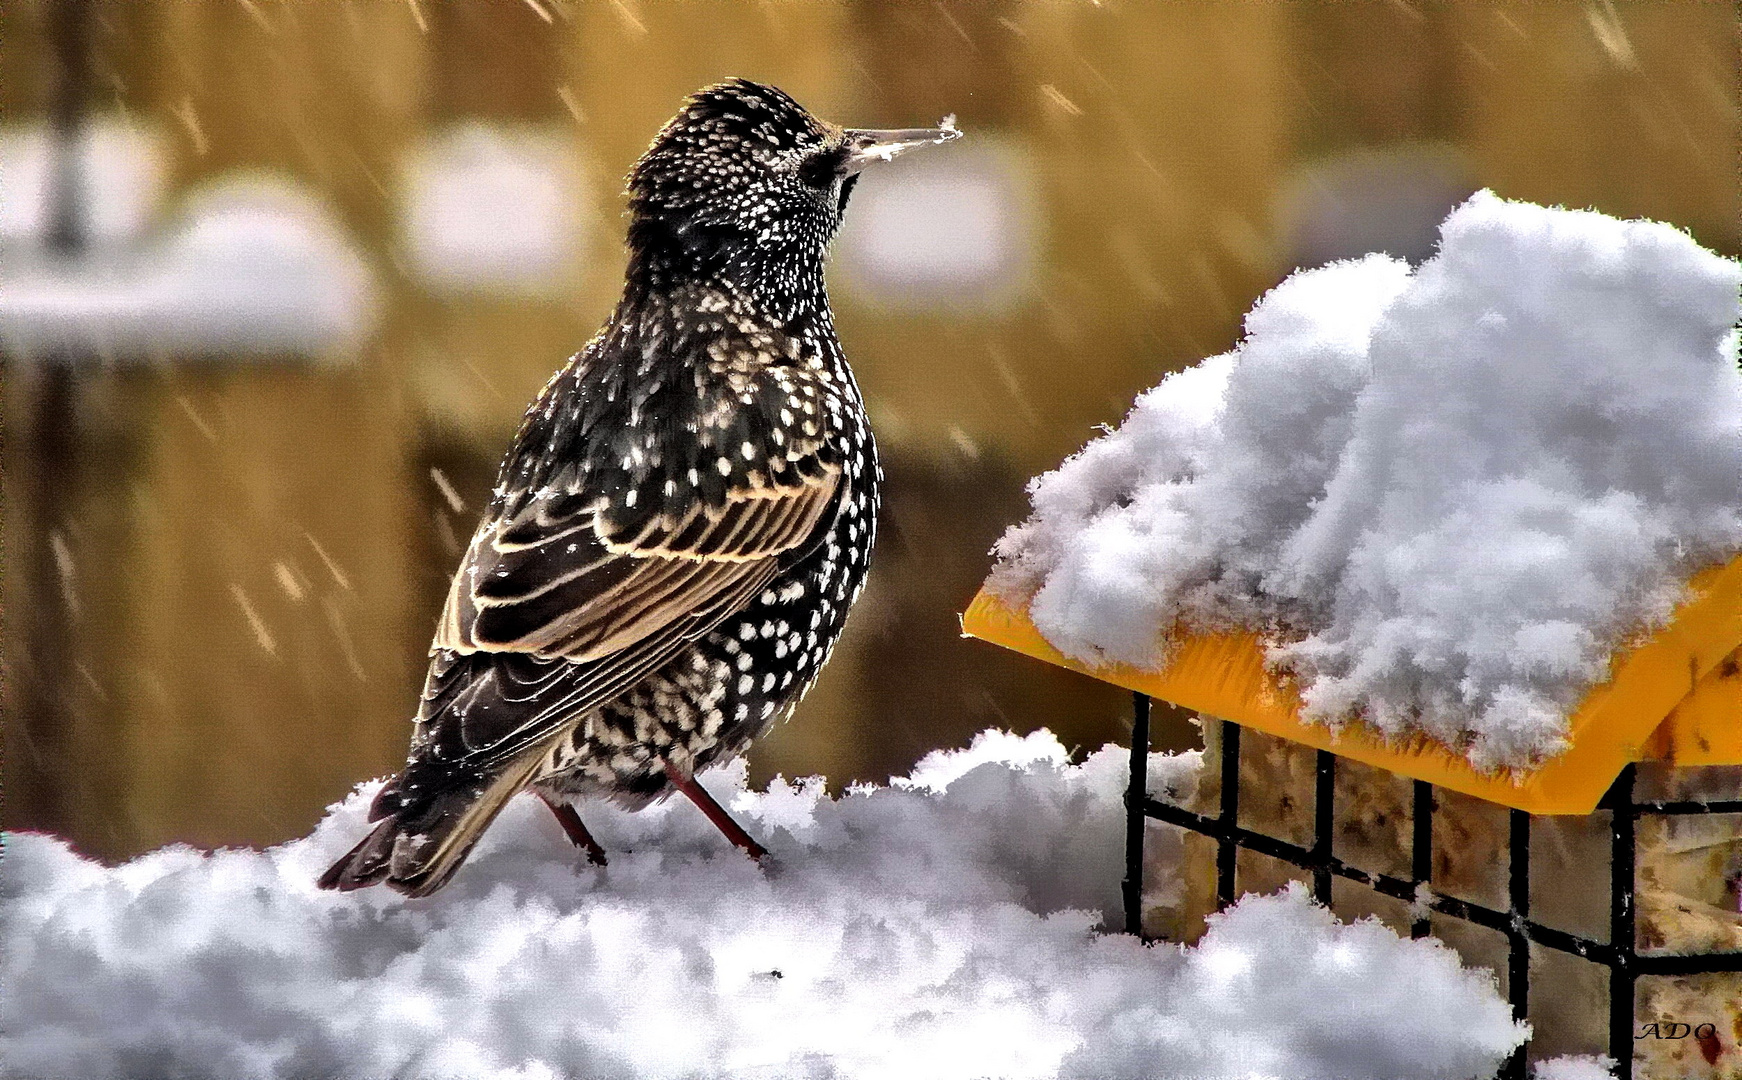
946, 925
249, 263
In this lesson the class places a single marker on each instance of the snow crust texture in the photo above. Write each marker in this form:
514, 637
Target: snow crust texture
943, 926
1445, 495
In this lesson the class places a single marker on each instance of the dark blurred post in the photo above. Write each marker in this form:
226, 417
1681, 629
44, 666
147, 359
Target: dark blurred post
66, 225
54, 444
268, 652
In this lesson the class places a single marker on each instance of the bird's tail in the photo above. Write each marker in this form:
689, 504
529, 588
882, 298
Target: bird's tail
416, 849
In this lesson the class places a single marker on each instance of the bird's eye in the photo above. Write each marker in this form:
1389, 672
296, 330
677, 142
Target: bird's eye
821, 170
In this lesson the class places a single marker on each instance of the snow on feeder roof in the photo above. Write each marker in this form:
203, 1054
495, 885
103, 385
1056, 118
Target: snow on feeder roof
1477, 524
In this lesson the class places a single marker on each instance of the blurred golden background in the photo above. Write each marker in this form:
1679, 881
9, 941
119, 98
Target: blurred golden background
267, 334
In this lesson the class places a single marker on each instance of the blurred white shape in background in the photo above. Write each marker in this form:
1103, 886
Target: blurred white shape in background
253, 264
955, 227
1390, 199
121, 173
495, 208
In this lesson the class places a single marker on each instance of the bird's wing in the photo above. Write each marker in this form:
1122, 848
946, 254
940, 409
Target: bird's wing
575, 600
560, 580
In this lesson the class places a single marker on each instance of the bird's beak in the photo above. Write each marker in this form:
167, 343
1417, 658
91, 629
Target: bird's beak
868, 146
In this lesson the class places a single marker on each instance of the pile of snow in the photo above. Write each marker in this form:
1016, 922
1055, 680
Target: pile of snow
254, 264
1575, 1067
944, 926
495, 208
1446, 496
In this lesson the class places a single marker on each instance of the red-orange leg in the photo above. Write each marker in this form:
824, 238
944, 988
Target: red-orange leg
716, 813
577, 832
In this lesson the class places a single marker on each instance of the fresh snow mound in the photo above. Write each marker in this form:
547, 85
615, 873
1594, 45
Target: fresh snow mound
944, 926
1445, 496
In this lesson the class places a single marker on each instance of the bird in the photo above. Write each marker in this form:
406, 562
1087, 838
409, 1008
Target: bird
682, 521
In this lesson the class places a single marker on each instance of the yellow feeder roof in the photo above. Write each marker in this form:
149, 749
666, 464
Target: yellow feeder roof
1676, 697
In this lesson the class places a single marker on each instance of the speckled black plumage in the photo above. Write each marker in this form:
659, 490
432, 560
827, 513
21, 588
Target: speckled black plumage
683, 520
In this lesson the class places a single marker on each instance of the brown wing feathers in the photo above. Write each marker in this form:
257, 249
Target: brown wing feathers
583, 591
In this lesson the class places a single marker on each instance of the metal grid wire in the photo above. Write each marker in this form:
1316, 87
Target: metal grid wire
1619, 953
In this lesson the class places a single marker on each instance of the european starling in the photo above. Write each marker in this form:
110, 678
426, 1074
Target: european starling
683, 520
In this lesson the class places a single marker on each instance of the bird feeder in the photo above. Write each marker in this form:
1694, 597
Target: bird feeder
1675, 699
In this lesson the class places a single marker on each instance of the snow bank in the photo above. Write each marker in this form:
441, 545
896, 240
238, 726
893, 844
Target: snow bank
944, 926
1446, 496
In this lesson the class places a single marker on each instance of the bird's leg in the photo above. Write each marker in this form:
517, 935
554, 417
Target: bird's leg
577, 832
716, 813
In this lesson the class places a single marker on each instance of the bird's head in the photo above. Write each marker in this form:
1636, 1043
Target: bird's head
744, 179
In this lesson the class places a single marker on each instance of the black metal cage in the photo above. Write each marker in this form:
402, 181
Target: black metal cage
1619, 953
